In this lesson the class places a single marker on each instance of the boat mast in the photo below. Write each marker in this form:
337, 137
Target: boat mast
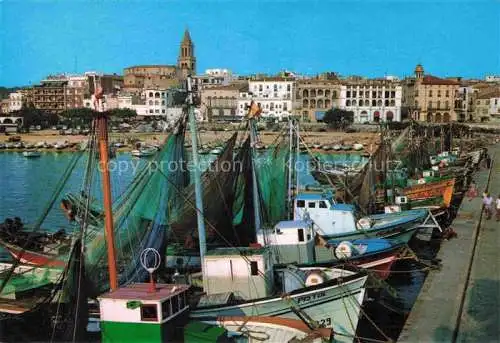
290, 157
255, 187
102, 127
197, 174
297, 154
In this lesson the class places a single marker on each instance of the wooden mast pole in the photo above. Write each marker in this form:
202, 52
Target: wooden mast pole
102, 127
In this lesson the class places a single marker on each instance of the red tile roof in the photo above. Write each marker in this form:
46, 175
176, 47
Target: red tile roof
433, 80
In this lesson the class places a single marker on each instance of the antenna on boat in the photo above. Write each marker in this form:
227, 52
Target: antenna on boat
102, 127
197, 174
154, 265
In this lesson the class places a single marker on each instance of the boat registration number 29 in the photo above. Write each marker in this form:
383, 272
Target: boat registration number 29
311, 297
326, 322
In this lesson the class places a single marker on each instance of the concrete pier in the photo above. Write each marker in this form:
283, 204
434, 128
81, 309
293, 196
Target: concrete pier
460, 302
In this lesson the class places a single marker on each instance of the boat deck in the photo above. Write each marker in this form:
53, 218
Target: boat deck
460, 302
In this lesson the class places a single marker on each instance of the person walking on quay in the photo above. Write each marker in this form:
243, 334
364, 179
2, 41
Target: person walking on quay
488, 205
472, 191
498, 208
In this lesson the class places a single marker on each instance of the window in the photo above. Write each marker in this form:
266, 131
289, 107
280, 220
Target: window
301, 235
348, 94
322, 204
150, 102
149, 313
439, 93
163, 102
254, 268
374, 102
150, 94
151, 111
165, 309
175, 304
430, 92
182, 301
301, 203
162, 111
311, 204
288, 88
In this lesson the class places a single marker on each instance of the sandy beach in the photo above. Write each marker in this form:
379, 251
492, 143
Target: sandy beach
209, 138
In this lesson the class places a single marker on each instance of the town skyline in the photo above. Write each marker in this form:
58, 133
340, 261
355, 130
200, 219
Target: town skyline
446, 46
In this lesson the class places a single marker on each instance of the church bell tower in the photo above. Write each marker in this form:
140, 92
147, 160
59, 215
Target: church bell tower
186, 61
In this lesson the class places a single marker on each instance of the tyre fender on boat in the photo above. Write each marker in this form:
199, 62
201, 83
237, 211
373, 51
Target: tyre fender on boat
345, 250
314, 278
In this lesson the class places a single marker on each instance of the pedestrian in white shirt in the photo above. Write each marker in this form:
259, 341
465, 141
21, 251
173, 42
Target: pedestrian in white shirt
488, 205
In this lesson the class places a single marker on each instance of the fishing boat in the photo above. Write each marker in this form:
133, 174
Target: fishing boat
263, 329
357, 146
60, 145
347, 147
294, 242
337, 147
143, 152
38, 249
341, 221
31, 153
438, 194
326, 147
331, 296
216, 151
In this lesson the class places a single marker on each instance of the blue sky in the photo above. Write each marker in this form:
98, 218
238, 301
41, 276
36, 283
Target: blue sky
362, 37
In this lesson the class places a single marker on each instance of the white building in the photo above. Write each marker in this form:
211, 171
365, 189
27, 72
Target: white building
213, 77
274, 97
372, 100
156, 101
15, 101
492, 78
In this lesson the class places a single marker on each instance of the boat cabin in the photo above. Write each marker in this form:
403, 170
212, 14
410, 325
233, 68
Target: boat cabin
329, 218
136, 313
234, 269
291, 241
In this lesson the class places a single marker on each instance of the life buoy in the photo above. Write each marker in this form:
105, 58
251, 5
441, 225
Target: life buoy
313, 279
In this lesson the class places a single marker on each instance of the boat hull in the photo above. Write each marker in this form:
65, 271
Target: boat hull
36, 259
402, 233
333, 305
378, 262
438, 189
32, 257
